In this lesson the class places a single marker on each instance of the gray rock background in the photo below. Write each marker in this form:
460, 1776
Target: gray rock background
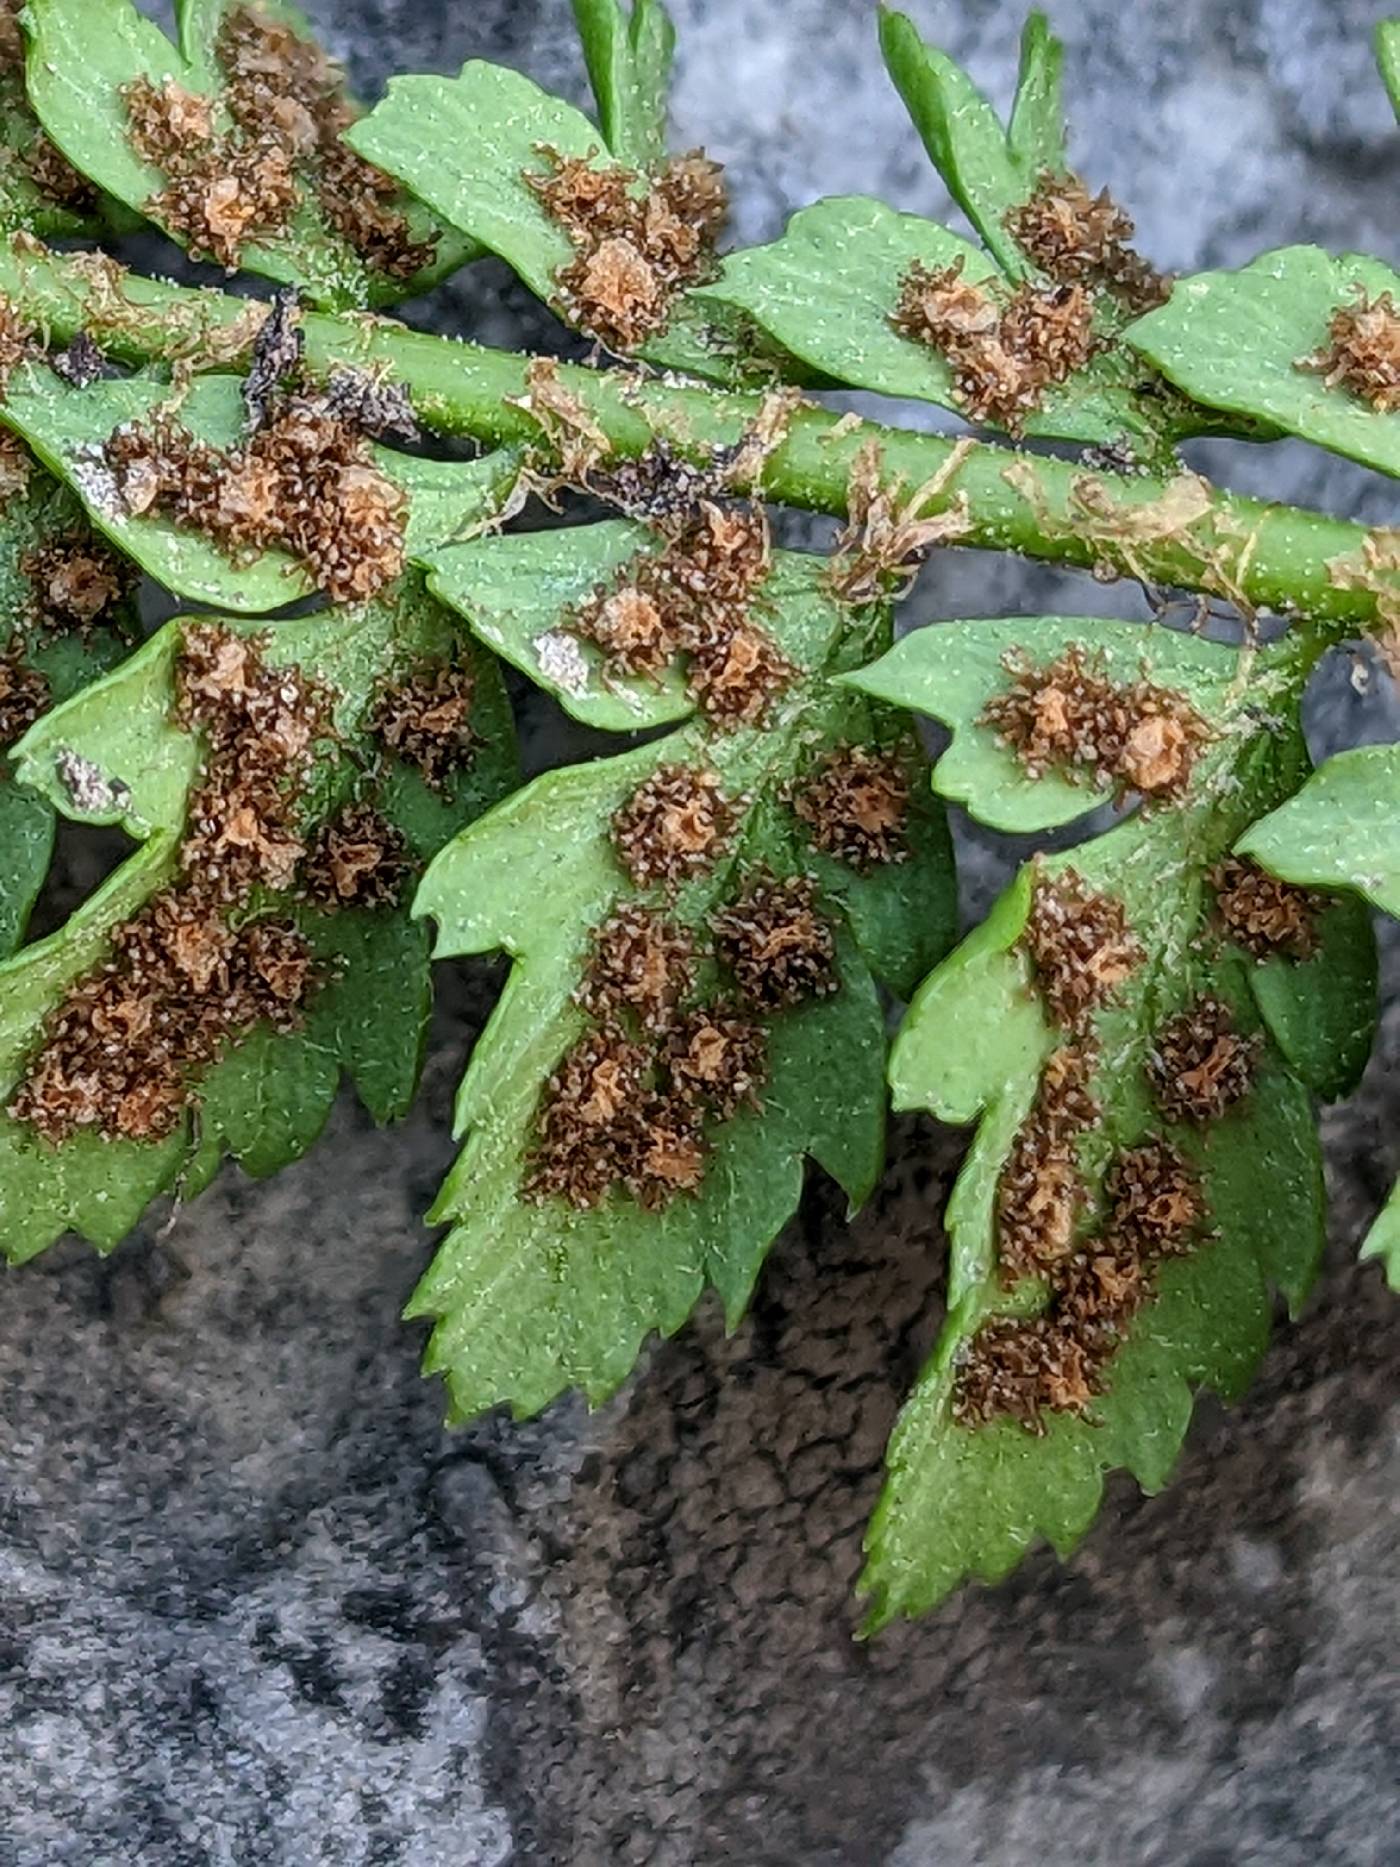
257, 1606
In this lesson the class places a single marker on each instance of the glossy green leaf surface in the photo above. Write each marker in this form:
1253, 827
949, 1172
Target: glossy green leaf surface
629, 56
1237, 341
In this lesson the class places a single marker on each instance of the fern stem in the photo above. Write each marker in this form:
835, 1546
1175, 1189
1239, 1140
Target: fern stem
1161, 531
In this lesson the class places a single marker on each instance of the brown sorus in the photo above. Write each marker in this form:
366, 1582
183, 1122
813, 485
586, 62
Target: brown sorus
1080, 944
1268, 918
24, 697
1363, 352
1083, 239
55, 177
628, 625
637, 241
693, 596
1040, 1193
1057, 1361
856, 805
304, 483
717, 1057
1154, 1198
77, 581
284, 89
1018, 1370
11, 37
586, 1129
234, 197
120, 1052
123, 1051
641, 962
776, 944
1003, 356
357, 859
676, 824
1201, 1064
669, 1153
1069, 717
423, 716
737, 677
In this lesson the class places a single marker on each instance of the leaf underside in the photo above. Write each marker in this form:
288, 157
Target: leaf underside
1340, 831
84, 52
970, 1499
530, 1298
265, 1101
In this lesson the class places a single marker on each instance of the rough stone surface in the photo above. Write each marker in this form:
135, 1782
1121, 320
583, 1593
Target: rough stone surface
257, 1606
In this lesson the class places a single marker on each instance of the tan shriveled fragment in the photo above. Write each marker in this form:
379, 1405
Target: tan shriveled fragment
571, 434
887, 535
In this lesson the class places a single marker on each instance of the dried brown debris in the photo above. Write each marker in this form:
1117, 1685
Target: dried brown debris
856, 805
675, 825
1057, 1361
1267, 917
357, 859
776, 944
1083, 239
24, 697
16, 340
305, 482
693, 597
81, 363
379, 409
188, 975
1071, 718
77, 580
889, 533
1201, 1064
1363, 354
637, 241
423, 716
640, 962
1041, 1192
1003, 355
275, 363
1081, 947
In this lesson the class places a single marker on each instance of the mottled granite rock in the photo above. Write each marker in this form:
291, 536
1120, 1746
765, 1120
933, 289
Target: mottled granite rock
257, 1606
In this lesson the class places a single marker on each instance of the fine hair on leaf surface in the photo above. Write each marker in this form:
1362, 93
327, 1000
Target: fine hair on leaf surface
730, 937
